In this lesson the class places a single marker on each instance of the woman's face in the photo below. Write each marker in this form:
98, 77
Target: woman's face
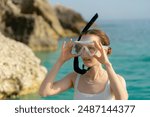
90, 61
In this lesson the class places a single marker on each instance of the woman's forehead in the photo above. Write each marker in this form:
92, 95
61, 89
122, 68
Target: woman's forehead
90, 37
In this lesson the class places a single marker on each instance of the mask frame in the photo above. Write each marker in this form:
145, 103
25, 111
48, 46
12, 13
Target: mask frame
79, 46
87, 45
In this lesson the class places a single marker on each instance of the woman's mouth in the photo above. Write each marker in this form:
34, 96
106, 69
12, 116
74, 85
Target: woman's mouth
86, 60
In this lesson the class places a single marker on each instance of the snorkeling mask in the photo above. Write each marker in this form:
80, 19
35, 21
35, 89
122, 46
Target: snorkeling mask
79, 49
87, 46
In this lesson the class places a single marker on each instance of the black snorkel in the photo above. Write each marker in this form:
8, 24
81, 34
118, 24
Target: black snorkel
76, 61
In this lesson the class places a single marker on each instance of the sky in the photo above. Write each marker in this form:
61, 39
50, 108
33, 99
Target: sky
109, 9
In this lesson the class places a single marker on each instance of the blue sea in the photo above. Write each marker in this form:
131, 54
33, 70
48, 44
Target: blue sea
130, 41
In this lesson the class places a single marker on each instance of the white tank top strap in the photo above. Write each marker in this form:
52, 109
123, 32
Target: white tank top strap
108, 82
107, 87
77, 81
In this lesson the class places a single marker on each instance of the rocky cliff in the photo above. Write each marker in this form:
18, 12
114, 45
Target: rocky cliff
37, 23
20, 70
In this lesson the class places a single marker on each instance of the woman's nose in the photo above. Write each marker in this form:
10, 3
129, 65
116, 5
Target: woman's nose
84, 53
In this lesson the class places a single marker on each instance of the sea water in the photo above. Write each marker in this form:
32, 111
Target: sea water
130, 42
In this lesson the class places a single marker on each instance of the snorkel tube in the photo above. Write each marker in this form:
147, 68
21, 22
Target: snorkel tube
76, 60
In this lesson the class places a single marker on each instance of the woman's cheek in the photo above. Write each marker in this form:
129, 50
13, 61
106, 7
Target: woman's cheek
94, 61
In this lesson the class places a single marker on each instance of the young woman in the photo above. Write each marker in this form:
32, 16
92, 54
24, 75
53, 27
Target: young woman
99, 82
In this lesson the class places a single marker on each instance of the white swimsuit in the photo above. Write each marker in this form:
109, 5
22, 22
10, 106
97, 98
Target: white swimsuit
104, 95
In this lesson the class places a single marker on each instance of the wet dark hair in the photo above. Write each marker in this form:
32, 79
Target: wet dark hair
103, 38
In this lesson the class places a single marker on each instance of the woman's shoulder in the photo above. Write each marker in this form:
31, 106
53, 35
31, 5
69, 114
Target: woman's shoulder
73, 76
122, 80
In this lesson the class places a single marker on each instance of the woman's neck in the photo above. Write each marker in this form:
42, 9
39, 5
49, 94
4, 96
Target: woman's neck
95, 71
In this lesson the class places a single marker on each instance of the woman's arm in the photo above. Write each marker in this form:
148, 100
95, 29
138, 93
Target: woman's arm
48, 86
117, 83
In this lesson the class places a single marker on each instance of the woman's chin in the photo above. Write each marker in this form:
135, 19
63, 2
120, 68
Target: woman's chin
88, 64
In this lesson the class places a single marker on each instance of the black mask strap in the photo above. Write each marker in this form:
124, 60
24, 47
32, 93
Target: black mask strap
76, 61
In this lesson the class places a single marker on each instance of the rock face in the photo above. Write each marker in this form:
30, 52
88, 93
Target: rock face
37, 24
69, 19
20, 70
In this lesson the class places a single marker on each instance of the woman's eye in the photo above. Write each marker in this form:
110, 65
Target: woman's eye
78, 48
91, 48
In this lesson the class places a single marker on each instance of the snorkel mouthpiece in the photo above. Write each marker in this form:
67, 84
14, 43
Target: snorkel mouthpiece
76, 61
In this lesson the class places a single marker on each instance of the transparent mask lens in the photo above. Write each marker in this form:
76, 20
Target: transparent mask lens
92, 49
76, 49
